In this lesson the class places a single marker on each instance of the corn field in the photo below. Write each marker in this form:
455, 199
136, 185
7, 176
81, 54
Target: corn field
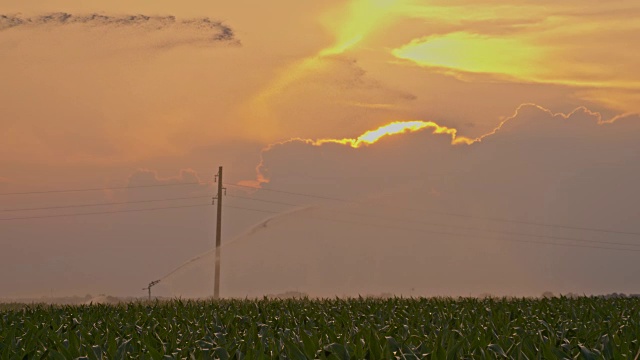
439, 328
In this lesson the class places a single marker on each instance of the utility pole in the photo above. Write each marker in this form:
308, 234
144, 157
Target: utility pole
216, 285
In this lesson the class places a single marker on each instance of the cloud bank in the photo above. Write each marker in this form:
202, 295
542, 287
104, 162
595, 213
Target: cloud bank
518, 120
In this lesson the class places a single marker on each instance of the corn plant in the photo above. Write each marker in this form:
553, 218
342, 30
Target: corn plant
436, 328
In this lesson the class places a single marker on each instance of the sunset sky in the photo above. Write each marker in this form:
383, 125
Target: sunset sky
450, 147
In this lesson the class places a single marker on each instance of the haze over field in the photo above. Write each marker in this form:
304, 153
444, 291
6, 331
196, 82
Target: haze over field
369, 146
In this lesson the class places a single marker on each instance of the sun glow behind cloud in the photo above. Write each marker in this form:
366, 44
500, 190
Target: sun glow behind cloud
396, 128
369, 137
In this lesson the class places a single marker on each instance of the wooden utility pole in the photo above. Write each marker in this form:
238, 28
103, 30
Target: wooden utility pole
216, 285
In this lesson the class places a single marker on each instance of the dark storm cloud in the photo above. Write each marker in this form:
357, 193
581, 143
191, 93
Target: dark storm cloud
215, 30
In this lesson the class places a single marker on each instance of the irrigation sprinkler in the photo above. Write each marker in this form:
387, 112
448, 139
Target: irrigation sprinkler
151, 284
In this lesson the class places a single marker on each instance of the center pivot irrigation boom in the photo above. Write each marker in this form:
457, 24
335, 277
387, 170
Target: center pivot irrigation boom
151, 284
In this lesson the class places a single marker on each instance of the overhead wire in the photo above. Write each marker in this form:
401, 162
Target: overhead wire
481, 237
292, 204
458, 227
133, 210
447, 233
503, 232
293, 193
100, 189
249, 209
103, 204
367, 224
262, 200
128, 210
103, 212
496, 219
523, 222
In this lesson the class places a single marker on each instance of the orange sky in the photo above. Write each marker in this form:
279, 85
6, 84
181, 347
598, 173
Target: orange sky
274, 90
340, 69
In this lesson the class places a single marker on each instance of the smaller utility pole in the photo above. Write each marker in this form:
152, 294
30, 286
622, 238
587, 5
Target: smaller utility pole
216, 285
151, 284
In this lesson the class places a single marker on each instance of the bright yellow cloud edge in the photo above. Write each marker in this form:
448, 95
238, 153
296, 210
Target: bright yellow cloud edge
395, 128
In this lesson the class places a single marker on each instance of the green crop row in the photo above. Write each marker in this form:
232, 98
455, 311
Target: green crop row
558, 328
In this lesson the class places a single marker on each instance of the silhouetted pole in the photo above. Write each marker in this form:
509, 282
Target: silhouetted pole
216, 285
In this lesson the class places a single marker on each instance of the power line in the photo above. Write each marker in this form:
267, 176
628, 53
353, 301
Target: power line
102, 212
449, 233
133, 210
295, 193
311, 196
99, 189
542, 224
486, 230
458, 227
249, 209
102, 204
550, 225
262, 200
326, 219
482, 237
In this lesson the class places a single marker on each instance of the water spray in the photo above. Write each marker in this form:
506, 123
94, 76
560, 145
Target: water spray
260, 226
151, 284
